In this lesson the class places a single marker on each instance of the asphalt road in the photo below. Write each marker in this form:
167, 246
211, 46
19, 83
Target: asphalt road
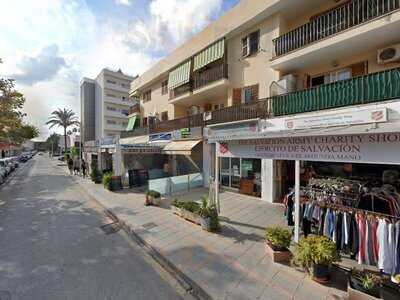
52, 246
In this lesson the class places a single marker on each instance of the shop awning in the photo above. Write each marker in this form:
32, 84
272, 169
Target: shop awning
131, 123
137, 140
179, 76
210, 54
180, 147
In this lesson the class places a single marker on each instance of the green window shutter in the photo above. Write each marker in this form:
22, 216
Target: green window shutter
179, 76
131, 123
210, 54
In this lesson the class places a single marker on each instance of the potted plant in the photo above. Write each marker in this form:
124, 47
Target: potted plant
95, 175
315, 254
107, 180
363, 285
152, 198
190, 211
205, 214
278, 242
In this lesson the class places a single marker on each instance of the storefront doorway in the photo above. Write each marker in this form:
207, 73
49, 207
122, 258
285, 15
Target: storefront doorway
241, 174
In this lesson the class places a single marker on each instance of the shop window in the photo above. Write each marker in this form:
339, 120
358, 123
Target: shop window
164, 116
164, 87
250, 94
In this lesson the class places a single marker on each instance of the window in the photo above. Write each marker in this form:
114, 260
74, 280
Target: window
251, 43
124, 85
111, 95
111, 81
124, 124
250, 93
164, 87
338, 75
125, 112
111, 122
146, 96
218, 106
164, 116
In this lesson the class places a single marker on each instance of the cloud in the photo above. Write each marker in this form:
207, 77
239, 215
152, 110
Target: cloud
170, 23
42, 67
123, 2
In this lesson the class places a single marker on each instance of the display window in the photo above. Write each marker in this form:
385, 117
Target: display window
241, 174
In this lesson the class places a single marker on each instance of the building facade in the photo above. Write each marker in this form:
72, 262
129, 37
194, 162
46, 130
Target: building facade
105, 105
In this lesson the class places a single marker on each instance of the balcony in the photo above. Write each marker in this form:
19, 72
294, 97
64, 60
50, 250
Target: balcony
203, 78
180, 91
135, 132
349, 15
185, 122
375, 87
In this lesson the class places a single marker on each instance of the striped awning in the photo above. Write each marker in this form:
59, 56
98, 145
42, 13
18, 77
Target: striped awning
179, 76
180, 147
210, 54
131, 123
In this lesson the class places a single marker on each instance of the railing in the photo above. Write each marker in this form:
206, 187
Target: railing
259, 109
134, 109
180, 91
138, 131
207, 76
336, 20
185, 122
365, 89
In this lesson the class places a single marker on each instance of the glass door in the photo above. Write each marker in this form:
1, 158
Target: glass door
225, 171
235, 172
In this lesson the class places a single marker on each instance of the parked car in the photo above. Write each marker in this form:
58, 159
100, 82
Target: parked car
10, 163
3, 174
4, 164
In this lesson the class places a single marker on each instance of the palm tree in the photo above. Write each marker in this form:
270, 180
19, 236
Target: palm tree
63, 118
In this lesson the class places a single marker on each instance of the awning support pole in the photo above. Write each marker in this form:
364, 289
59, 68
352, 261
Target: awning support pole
297, 202
216, 178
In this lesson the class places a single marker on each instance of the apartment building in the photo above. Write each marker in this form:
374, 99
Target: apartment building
282, 91
105, 105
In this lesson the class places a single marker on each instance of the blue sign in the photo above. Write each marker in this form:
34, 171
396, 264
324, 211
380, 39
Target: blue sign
160, 137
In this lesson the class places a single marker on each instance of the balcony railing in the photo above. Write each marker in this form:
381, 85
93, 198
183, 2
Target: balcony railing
179, 91
207, 76
374, 87
138, 131
259, 109
185, 122
336, 20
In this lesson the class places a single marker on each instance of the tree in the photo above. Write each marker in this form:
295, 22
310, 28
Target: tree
11, 103
24, 132
52, 142
63, 118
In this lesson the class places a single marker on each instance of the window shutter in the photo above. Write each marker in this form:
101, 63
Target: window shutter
237, 96
359, 69
245, 46
207, 107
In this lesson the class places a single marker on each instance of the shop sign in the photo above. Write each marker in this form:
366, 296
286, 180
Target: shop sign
232, 131
342, 119
160, 137
369, 148
187, 133
142, 150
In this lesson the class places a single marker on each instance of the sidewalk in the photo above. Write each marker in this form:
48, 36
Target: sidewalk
229, 265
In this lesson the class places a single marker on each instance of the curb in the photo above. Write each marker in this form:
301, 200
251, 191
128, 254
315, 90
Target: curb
188, 284
191, 287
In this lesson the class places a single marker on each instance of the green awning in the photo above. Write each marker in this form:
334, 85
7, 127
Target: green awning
210, 54
131, 123
179, 76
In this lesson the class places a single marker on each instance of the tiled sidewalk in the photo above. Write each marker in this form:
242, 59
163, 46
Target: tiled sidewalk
229, 265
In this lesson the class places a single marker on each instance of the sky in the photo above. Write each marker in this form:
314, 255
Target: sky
48, 46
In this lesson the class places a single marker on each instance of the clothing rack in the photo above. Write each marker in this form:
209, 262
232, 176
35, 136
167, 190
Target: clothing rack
345, 196
353, 209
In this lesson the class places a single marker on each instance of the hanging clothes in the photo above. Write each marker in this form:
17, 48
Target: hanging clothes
338, 230
397, 249
391, 247
289, 204
384, 261
361, 237
354, 244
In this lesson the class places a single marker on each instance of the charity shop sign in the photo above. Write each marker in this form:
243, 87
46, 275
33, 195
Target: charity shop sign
373, 148
347, 118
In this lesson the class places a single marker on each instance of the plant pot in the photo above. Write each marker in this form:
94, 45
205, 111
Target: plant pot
320, 273
356, 290
277, 255
188, 215
205, 224
156, 201
390, 291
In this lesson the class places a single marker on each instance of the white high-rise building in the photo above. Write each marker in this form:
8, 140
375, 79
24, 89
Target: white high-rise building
105, 105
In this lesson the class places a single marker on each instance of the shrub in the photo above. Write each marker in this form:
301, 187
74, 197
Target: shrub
94, 173
367, 279
315, 250
107, 179
153, 194
278, 237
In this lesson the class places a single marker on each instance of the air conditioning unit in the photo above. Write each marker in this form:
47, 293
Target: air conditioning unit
389, 54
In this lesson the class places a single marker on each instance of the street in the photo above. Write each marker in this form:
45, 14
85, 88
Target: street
52, 246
